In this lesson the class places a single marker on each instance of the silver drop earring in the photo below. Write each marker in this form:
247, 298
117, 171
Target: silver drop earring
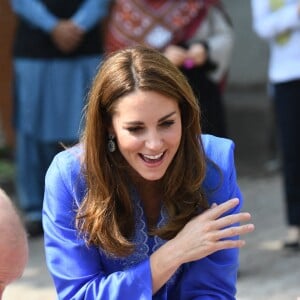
111, 143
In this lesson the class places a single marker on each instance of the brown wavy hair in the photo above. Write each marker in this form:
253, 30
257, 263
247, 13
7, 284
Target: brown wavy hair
106, 216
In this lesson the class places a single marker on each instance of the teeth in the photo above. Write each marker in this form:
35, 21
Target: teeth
153, 156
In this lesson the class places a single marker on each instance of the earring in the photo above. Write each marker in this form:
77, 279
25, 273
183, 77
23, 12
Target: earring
111, 143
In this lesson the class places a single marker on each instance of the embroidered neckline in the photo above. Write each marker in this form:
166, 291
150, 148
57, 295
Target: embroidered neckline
141, 239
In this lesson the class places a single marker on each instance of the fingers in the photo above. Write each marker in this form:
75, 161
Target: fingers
229, 244
220, 228
232, 231
224, 243
230, 220
197, 53
67, 36
217, 210
175, 54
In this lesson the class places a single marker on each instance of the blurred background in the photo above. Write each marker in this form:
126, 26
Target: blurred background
248, 75
267, 272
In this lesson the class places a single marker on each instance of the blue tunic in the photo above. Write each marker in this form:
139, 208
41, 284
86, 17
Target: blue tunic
82, 272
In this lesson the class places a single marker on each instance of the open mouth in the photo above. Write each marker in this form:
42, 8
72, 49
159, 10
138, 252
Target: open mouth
152, 158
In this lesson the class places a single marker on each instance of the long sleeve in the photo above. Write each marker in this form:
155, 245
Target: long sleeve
77, 270
90, 13
268, 22
211, 278
214, 277
36, 13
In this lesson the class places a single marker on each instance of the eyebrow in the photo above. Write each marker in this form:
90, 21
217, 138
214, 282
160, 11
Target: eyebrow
160, 120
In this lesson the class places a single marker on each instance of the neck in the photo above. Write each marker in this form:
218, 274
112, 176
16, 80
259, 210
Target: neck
150, 195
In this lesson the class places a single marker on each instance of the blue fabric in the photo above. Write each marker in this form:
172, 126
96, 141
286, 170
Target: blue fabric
82, 272
50, 96
34, 156
35, 12
49, 100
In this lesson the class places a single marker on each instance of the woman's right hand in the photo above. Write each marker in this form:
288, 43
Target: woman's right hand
209, 232
200, 237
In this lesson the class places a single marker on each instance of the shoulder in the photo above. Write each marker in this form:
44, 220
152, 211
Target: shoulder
68, 160
65, 172
218, 150
220, 183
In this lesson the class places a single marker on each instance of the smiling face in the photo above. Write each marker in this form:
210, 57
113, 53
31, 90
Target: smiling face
147, 126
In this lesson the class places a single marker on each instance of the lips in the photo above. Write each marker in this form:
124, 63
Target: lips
152, 158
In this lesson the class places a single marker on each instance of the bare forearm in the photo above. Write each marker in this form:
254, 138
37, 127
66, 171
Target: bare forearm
164, 263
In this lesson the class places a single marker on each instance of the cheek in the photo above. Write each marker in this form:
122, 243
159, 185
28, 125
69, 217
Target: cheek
128, 143
175, 143
174, 137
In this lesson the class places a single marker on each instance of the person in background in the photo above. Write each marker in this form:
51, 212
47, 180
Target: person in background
196, 36
278, 22
13, 243
144, 207
57, 49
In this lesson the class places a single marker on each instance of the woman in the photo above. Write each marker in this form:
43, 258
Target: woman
139, 209
278, 23
197, 36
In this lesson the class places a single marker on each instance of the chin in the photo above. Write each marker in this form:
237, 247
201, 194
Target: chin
153, 177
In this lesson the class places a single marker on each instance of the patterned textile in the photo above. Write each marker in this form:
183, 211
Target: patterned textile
153, 23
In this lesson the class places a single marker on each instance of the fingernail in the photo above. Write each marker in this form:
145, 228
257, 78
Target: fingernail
236, 200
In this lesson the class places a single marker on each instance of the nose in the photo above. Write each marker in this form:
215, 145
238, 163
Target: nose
154, 141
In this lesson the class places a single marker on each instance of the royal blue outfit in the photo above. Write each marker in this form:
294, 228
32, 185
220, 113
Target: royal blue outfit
50, 87
82, 272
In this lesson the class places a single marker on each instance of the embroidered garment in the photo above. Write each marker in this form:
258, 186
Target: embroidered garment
82, 272
153, 23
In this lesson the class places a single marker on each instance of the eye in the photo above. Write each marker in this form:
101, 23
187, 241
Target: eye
167, 123
135, 129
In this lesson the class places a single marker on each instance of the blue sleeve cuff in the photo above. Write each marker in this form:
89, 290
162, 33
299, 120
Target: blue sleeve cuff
91, 12
35, 13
